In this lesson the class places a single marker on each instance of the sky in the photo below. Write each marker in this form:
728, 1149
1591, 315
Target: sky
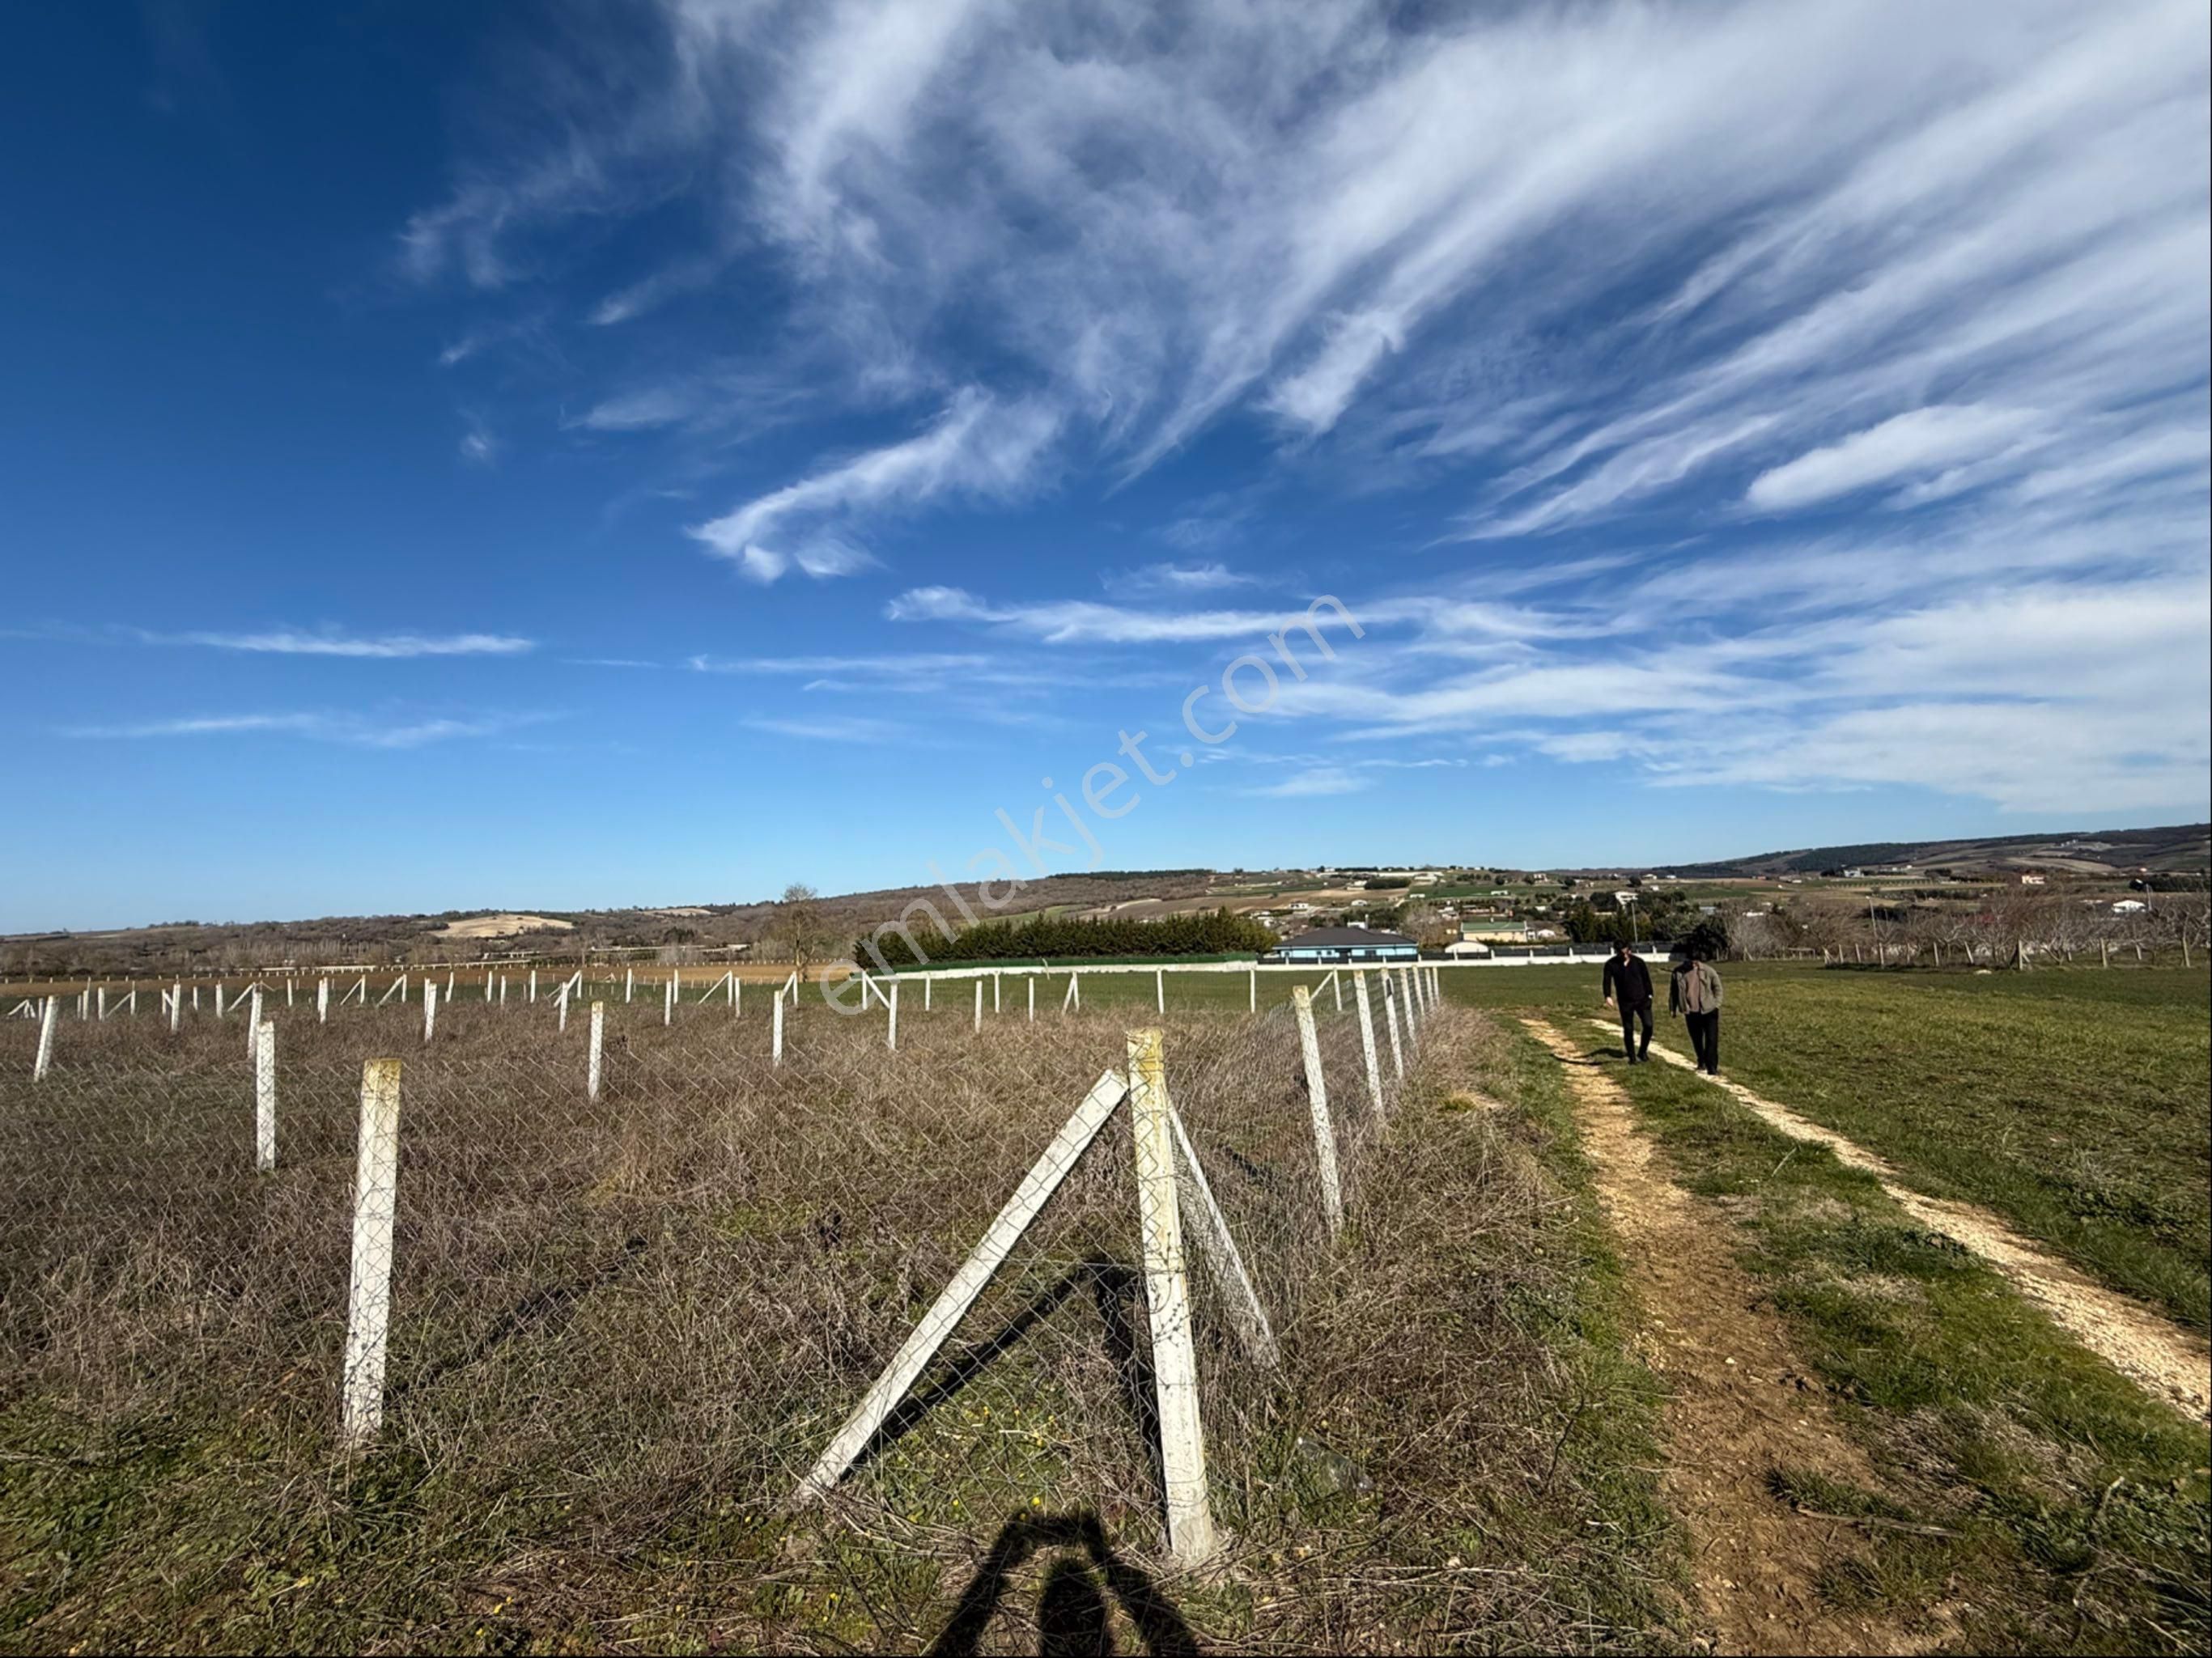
581, 455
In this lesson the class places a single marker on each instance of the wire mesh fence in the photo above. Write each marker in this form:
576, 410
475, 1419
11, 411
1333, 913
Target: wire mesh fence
666, 1294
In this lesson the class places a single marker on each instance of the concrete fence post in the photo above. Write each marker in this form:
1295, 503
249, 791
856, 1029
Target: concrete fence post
592, 1062
218, 998
1032, 999
979, 1006
369, 1300
1167, 1305
630, 982
252, 1022
49, 1011
533, 987
322, 1001
429, 1010
668, 1003
264, 1095
1367, 1042
1160, 990
891, 1026
1390, 1018
176, 1007
775, 1032
1252, 991
1324, 1131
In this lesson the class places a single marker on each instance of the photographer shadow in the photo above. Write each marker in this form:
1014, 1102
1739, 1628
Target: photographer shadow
1074, 1614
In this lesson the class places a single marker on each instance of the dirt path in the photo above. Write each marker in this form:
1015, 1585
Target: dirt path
2169, 1362
1739, 1405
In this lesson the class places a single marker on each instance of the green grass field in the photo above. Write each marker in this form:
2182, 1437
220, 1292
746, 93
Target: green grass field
2027, 1497
2071, 1101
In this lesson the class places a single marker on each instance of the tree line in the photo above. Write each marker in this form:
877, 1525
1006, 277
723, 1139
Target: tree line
1198, 933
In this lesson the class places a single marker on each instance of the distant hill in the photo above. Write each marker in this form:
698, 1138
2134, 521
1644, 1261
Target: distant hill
2181, 848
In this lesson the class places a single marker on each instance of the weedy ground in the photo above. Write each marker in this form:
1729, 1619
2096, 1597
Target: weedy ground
622, 1328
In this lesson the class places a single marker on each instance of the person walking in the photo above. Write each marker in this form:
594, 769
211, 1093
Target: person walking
1627, 987
1694, 991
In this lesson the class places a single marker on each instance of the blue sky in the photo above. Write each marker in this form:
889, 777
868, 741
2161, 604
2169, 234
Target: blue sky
586, 455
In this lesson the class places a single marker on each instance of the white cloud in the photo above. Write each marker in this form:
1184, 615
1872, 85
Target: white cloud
294, 641
834, 728
978, 448
1206, 577
1905, 446
355, 731
1308, 784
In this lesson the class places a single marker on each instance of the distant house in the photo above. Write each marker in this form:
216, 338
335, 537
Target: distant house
2129, 907
2028, 878
1493, 931
1624, 899
1327, 945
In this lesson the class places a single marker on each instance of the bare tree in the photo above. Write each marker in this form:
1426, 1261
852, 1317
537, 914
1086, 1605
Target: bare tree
800, 926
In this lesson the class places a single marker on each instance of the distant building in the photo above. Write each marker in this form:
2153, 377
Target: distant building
2028, 878
1493, 929
1324, 946
2129, 907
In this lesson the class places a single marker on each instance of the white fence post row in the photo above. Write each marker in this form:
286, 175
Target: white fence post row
368, 1301
775, 1037
953, 1301
1390, 1018
264, 1095
1324, 1131
48, 1013
1167, 1305
429, 1010
592, 1064
1367, 1042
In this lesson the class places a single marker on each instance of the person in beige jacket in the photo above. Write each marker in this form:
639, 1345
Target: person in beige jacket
1694, 991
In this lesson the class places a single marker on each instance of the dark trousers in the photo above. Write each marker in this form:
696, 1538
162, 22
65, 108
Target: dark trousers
1628, 1016
1705, 1039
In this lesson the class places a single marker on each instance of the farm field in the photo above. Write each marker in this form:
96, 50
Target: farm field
2071, 1101
622, 1329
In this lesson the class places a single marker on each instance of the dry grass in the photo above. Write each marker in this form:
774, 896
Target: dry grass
622, 1330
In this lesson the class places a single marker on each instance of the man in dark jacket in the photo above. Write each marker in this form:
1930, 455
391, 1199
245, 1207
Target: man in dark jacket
1694, 991
1627, 987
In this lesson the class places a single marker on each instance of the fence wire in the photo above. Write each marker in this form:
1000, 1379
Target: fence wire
668, 1298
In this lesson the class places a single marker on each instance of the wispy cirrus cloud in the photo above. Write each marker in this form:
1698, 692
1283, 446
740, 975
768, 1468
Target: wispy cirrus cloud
299, 641
833, 728
981, 447
1309, 785
1194, 577
353, 730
